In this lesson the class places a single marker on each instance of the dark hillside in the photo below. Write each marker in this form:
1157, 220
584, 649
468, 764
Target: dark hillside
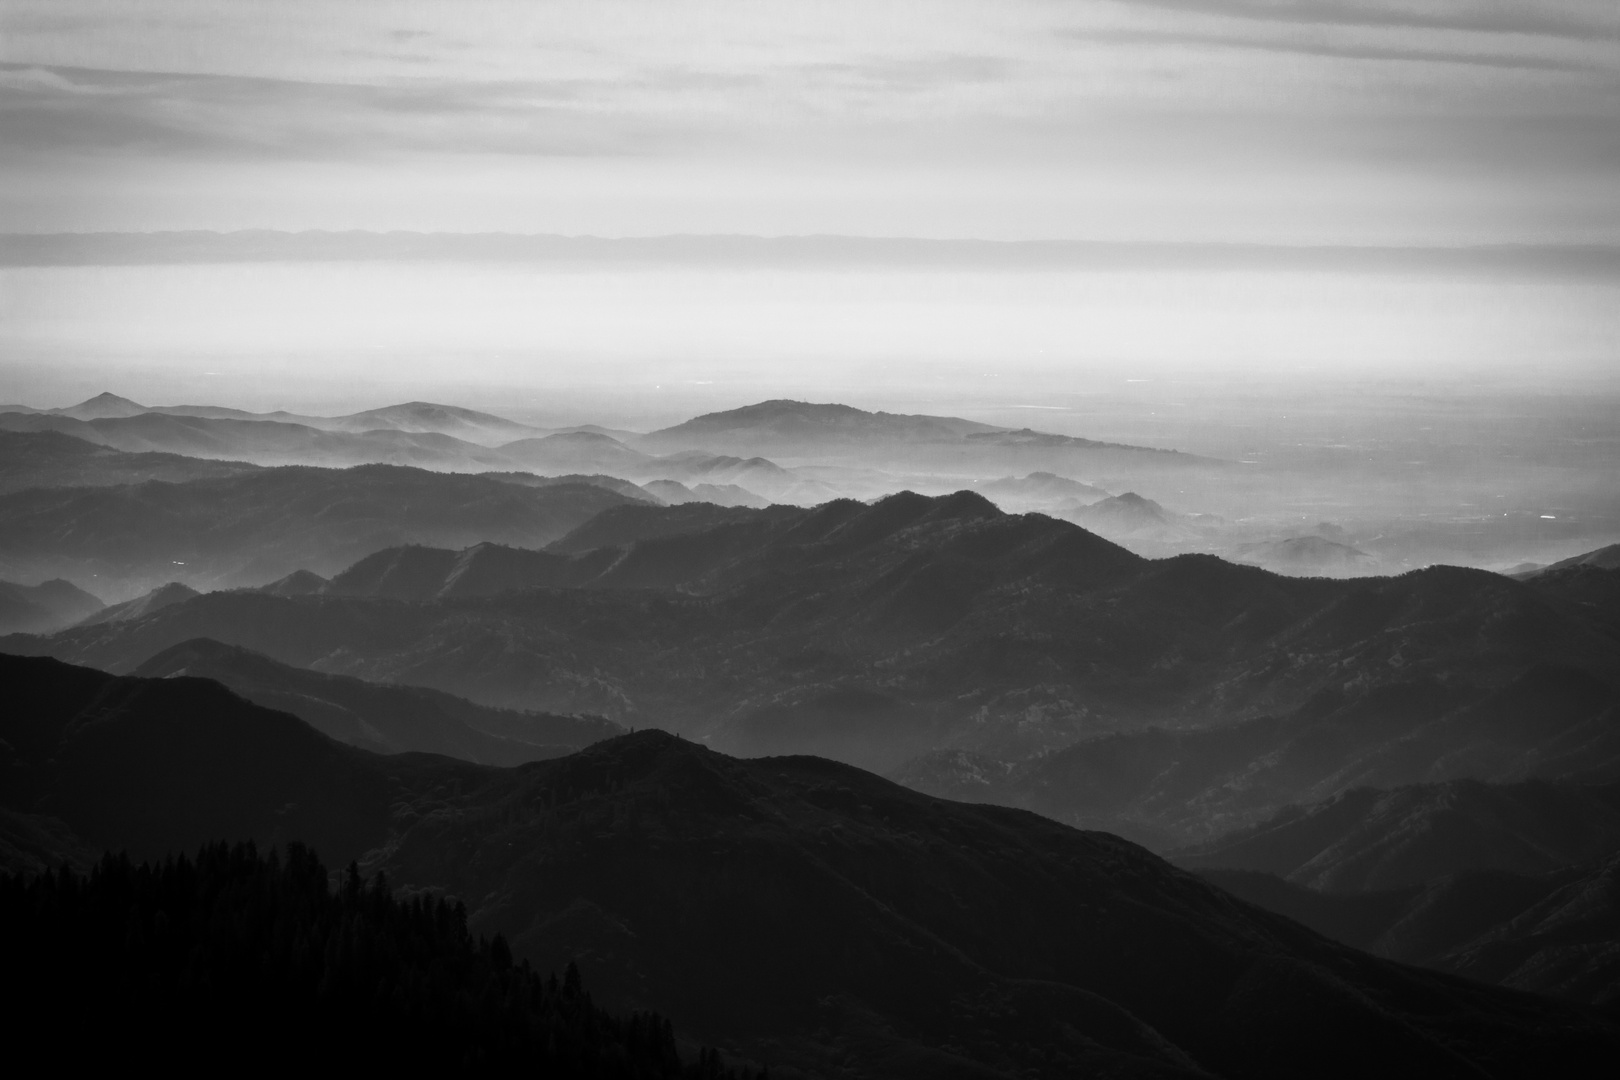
49, 459
1370, 839
382, 718
232, 950
1552, 933
801, 911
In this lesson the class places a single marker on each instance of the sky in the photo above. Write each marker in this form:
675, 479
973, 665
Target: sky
1347, 123
1275, 121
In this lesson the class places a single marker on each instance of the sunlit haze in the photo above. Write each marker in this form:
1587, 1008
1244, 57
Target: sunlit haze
1403, 125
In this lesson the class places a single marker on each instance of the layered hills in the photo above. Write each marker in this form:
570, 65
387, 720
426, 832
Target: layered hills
51, 459
1305, 555
1604, 558
161, 597
1167, 787
261, 525
1551, 933
1026, 661
416, 417
264, 442
381, 718
1369, 839
803, 912
784, 428
41, 608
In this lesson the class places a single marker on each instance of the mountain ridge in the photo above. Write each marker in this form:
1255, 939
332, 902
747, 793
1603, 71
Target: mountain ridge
1161, 699
839, 917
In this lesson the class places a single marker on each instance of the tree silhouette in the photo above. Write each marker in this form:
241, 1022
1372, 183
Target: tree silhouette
240, 957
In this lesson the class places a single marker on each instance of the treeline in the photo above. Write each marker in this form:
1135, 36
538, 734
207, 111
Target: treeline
237, 959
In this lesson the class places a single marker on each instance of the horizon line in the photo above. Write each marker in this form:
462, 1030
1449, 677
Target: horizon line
204, 246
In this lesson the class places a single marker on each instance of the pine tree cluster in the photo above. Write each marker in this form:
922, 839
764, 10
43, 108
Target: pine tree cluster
236, 959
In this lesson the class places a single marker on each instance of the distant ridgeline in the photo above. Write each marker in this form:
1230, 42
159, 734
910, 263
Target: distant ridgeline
242, 959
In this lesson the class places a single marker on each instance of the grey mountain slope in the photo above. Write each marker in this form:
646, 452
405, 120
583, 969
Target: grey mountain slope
1168, 700
577, 451
42, 608
1369, 839
1553, 933
1038, 491
381, 718
156, 600
792, 906
297, 583
1170, 788
102, 406
47, 459
786, 422
422, 417
245, 530
1604, 558
833, 432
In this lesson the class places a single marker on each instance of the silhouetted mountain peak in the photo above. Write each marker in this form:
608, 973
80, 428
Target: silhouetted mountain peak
964, 506
104, 405
431, 416
410, 572
106, 398
180, 659
584, 438
164, 596
1604, 558
1304, 554
41, 608
803, 421
779, 408
297, 583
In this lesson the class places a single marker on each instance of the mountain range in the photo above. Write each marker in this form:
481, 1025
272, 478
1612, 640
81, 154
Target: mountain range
833, 433
1371, 839
1172, 787
1014, 659
1551, 933
422, 417
50, 605
807, 914
260, 525
51, 459
382, 718
724, 447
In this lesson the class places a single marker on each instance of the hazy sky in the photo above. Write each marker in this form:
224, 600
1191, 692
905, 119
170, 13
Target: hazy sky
1405, 121
1350, 122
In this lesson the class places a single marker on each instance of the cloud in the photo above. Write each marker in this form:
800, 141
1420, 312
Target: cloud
1344, 51
1535, 19
77, 109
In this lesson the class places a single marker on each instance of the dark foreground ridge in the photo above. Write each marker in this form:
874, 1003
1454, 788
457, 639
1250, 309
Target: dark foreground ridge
803, 913
235, 950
